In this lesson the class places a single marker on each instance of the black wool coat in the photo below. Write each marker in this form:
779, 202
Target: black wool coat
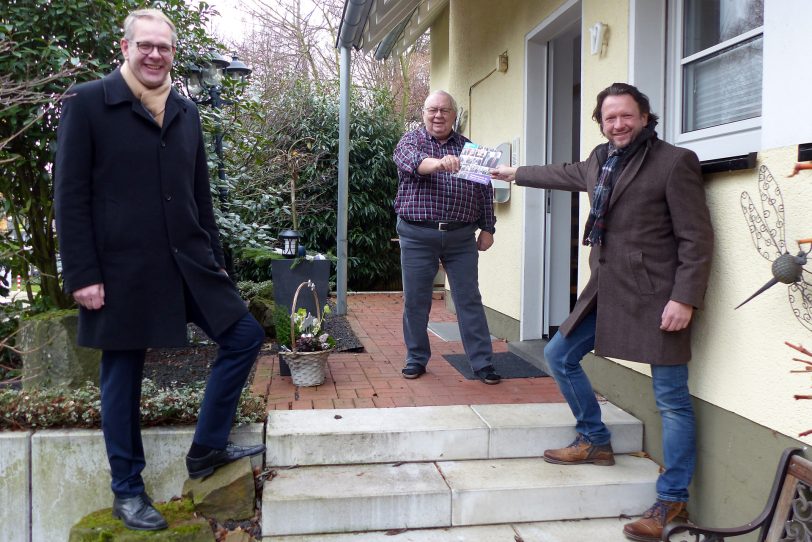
134, 212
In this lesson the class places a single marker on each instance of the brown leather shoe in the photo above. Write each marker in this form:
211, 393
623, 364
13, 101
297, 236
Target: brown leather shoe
581, 451
650, 527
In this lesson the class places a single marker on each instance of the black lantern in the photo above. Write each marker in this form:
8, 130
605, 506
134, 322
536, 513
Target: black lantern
237, 69
204, 84
290, 242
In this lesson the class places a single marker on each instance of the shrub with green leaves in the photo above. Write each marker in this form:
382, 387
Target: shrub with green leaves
373, 259
81, 407
288, 170
59, 44
254, 263
282, 322
249, 290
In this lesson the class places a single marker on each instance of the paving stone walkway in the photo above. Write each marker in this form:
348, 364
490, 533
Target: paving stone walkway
372, 379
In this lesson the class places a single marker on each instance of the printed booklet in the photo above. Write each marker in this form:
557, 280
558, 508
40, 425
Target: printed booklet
476, 161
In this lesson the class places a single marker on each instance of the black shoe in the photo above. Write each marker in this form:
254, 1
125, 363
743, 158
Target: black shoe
413, 370
138, 514
199, 467
488, 375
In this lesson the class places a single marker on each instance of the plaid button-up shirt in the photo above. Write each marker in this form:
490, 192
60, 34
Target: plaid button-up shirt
440, 196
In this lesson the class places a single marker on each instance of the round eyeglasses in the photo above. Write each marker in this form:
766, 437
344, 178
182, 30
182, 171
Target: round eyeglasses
434, 110
146, 48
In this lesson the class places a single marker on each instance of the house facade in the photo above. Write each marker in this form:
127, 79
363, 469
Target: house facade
726, 78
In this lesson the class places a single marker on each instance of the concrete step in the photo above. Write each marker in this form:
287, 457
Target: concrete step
347, 498
530, 489
604, 530
381, 435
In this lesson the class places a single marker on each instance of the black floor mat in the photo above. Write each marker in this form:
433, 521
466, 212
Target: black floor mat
507, 365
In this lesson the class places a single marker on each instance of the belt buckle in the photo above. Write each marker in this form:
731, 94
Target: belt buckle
442, 226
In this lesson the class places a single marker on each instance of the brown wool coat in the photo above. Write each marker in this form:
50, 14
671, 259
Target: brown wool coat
657, 247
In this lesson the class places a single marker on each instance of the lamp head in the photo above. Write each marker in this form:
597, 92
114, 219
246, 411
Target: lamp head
290, 242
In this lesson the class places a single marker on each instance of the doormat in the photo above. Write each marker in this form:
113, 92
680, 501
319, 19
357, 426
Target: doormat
507, 365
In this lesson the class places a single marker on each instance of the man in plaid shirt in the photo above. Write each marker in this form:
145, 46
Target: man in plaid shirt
438, 215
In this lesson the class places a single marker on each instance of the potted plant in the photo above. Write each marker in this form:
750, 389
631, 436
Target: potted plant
310, 345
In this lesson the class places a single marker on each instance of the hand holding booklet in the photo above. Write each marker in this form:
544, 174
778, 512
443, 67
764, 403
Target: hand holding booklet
476, 161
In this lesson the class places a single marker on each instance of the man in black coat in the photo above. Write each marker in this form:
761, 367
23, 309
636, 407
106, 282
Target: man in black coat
141, 253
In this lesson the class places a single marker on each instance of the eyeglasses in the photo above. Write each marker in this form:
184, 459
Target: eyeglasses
146, 48
434, 110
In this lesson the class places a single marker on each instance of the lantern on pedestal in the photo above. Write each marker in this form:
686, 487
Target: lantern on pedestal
290, 243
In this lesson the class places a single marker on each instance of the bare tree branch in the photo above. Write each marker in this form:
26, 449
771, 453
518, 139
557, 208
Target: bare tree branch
15, 93
293, 38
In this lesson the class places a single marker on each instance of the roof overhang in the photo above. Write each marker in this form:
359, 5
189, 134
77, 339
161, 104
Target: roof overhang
386, 26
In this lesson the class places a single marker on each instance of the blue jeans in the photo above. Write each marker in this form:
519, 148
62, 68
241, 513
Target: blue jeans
421, 251
670, 385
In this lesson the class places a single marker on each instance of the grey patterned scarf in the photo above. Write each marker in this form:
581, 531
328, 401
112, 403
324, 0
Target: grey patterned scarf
610, 170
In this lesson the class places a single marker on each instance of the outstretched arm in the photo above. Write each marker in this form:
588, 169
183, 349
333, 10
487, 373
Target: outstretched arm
503, 173
449, 163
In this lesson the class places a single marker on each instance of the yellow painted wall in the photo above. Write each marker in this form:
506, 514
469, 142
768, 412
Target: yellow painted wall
597, 73
600, 71
477, 35
752, 355
439, 52
740, 362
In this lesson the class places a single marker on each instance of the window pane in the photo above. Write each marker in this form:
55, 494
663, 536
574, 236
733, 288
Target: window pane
724, 87
709, 22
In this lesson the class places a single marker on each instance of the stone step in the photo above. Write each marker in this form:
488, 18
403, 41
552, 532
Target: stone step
605, 530
381, 435
347, 498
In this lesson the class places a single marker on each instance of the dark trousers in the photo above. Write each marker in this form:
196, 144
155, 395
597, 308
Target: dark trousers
421, 251
121, 374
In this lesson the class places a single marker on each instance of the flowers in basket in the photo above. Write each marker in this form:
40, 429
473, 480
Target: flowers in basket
308, 334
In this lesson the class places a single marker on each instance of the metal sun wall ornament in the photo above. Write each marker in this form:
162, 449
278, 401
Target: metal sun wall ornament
766, 224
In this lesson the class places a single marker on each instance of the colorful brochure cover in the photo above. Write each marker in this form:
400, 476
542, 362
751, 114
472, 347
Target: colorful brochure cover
476, 161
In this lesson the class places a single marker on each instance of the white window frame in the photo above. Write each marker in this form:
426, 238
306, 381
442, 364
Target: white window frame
722, 141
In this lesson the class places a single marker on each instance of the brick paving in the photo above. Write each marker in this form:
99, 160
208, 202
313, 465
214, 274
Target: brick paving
372, 379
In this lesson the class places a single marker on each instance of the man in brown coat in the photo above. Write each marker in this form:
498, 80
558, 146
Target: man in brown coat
652, 241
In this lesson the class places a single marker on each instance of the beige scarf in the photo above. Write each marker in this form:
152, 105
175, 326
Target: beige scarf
153, 99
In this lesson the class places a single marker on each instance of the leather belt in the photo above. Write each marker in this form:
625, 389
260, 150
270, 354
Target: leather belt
441, 226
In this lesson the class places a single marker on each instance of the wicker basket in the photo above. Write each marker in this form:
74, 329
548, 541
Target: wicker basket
306, 368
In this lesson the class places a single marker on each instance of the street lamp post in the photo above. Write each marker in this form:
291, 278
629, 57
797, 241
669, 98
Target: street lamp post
204, 84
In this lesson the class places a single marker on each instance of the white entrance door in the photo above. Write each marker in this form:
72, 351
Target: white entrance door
552, 135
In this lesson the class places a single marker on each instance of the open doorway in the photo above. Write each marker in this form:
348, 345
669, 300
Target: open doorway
552, 135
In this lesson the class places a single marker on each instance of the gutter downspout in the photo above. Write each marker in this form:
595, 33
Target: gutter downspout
353, 20
343, 180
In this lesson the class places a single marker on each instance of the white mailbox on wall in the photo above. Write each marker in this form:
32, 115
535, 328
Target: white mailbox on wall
501, 189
